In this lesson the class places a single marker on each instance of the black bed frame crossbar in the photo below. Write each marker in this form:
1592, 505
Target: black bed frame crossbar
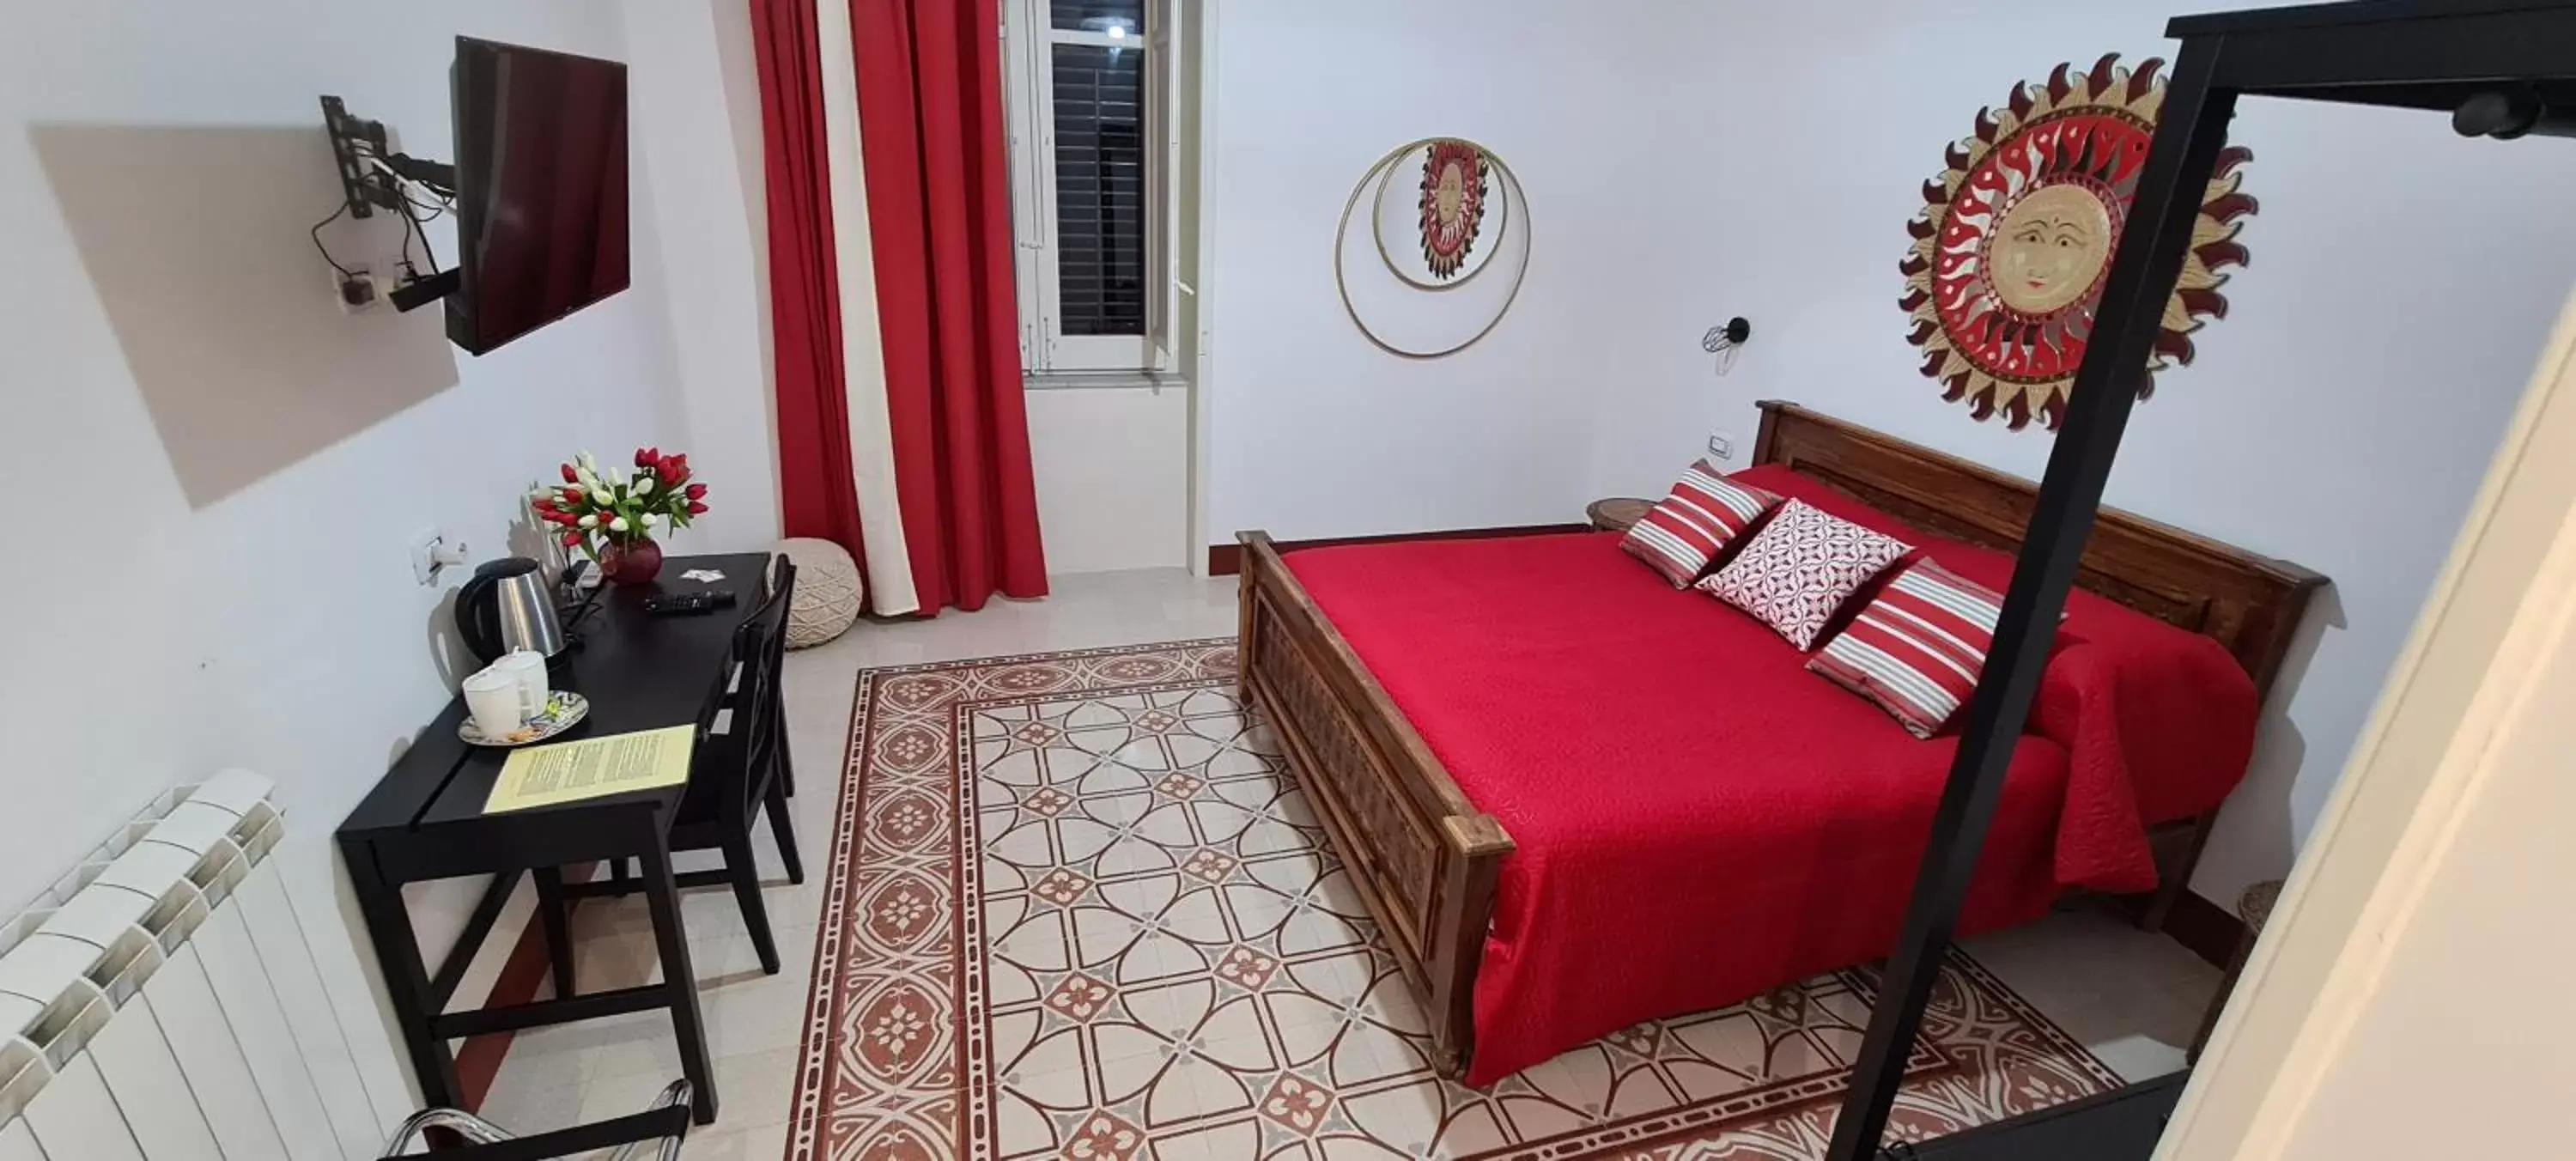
2399, 53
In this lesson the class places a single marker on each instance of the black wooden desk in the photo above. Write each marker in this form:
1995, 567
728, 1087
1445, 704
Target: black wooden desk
426, 821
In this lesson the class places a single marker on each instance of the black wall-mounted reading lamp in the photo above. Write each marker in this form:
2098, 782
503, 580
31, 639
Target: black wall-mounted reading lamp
1722, 341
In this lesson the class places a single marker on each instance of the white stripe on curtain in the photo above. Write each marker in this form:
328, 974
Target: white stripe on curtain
889, 568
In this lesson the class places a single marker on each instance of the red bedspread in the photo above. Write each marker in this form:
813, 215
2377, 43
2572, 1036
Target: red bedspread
1698, 819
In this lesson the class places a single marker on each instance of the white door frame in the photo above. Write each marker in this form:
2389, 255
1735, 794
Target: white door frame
2482, 635
1200, 22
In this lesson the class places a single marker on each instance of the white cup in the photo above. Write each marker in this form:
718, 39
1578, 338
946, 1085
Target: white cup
492, 698
528, 668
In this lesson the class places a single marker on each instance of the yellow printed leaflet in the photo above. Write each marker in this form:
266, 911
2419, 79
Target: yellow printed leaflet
592, 768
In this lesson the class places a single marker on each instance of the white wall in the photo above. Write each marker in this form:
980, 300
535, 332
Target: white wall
1314, 431
1112, 470
696, 87
1690, 162
215, 476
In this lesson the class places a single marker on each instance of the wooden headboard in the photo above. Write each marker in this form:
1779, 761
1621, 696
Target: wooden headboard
2248, 602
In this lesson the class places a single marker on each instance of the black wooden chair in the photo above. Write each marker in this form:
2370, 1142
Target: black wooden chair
782, 575
779, 579
733, 781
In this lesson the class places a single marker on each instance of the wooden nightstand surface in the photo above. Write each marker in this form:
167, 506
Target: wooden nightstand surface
1617, 513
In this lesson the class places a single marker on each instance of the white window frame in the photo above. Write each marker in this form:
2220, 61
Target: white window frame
1028, 58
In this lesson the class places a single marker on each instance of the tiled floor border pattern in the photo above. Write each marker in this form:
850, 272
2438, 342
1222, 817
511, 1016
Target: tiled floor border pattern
898, 1038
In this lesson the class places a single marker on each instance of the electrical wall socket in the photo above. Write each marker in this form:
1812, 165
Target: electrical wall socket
1721, 445
359, 292
432, 551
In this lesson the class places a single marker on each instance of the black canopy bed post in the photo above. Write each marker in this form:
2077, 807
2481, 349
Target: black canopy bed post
2143, 271
2486, 60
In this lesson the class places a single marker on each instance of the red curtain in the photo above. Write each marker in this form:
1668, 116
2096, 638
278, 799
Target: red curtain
939, 213
818, 494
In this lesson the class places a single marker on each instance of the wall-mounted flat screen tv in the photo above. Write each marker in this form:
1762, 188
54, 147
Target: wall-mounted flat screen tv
540, 188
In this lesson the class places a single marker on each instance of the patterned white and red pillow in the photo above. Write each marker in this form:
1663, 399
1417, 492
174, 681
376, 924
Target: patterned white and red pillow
1802, 566
1916, 649
1705, 513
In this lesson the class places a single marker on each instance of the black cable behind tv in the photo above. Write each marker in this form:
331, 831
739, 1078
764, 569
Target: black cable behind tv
369, 172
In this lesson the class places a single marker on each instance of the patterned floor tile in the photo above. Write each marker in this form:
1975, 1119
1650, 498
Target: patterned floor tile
1078, 908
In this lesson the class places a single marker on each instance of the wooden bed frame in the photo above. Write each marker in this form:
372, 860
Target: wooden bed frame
1425, 860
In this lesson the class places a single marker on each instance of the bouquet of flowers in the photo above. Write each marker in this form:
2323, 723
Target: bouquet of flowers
612, 516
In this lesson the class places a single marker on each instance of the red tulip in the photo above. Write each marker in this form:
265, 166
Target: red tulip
697, 509
572, 540
570, 476
697, 491
644, 457
572, 495
544, 504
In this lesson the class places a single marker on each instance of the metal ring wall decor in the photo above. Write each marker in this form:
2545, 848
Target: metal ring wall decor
1463, 219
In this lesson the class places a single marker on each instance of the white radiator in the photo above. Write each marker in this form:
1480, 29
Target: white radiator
160, 1002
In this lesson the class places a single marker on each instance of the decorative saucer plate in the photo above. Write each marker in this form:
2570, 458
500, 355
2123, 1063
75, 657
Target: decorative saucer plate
564, 710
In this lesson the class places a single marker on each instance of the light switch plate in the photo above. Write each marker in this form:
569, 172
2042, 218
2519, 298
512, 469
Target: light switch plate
1721, 445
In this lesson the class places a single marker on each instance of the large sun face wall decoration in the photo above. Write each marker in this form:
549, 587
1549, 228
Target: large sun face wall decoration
2017, 235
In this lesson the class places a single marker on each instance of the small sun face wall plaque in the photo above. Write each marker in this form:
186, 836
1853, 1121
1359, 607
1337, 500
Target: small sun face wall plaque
2016, 237
1453, 204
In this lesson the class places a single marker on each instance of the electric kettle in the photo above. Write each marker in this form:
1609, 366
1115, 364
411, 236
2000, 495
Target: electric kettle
506, 607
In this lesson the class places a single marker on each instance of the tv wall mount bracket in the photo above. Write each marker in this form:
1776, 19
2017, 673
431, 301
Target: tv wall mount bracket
369, 169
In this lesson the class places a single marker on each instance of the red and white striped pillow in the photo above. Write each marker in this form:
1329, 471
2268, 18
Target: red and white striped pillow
1917, 647
1797, 572
1704, 514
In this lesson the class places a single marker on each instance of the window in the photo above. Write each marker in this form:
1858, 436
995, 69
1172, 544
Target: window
1087, 91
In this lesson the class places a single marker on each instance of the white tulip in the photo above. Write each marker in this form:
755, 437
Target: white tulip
591, 521
649, 520
586, 463
643, 485
617, 525
588, 480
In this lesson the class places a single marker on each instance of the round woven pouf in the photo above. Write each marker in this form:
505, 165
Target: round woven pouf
827, 591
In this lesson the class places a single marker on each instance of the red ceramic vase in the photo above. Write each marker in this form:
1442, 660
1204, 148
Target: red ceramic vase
634, 562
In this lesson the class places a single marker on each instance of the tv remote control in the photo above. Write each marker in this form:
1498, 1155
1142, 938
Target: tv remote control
686, 604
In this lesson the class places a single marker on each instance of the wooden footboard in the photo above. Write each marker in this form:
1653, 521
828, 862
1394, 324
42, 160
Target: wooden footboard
1423, 859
